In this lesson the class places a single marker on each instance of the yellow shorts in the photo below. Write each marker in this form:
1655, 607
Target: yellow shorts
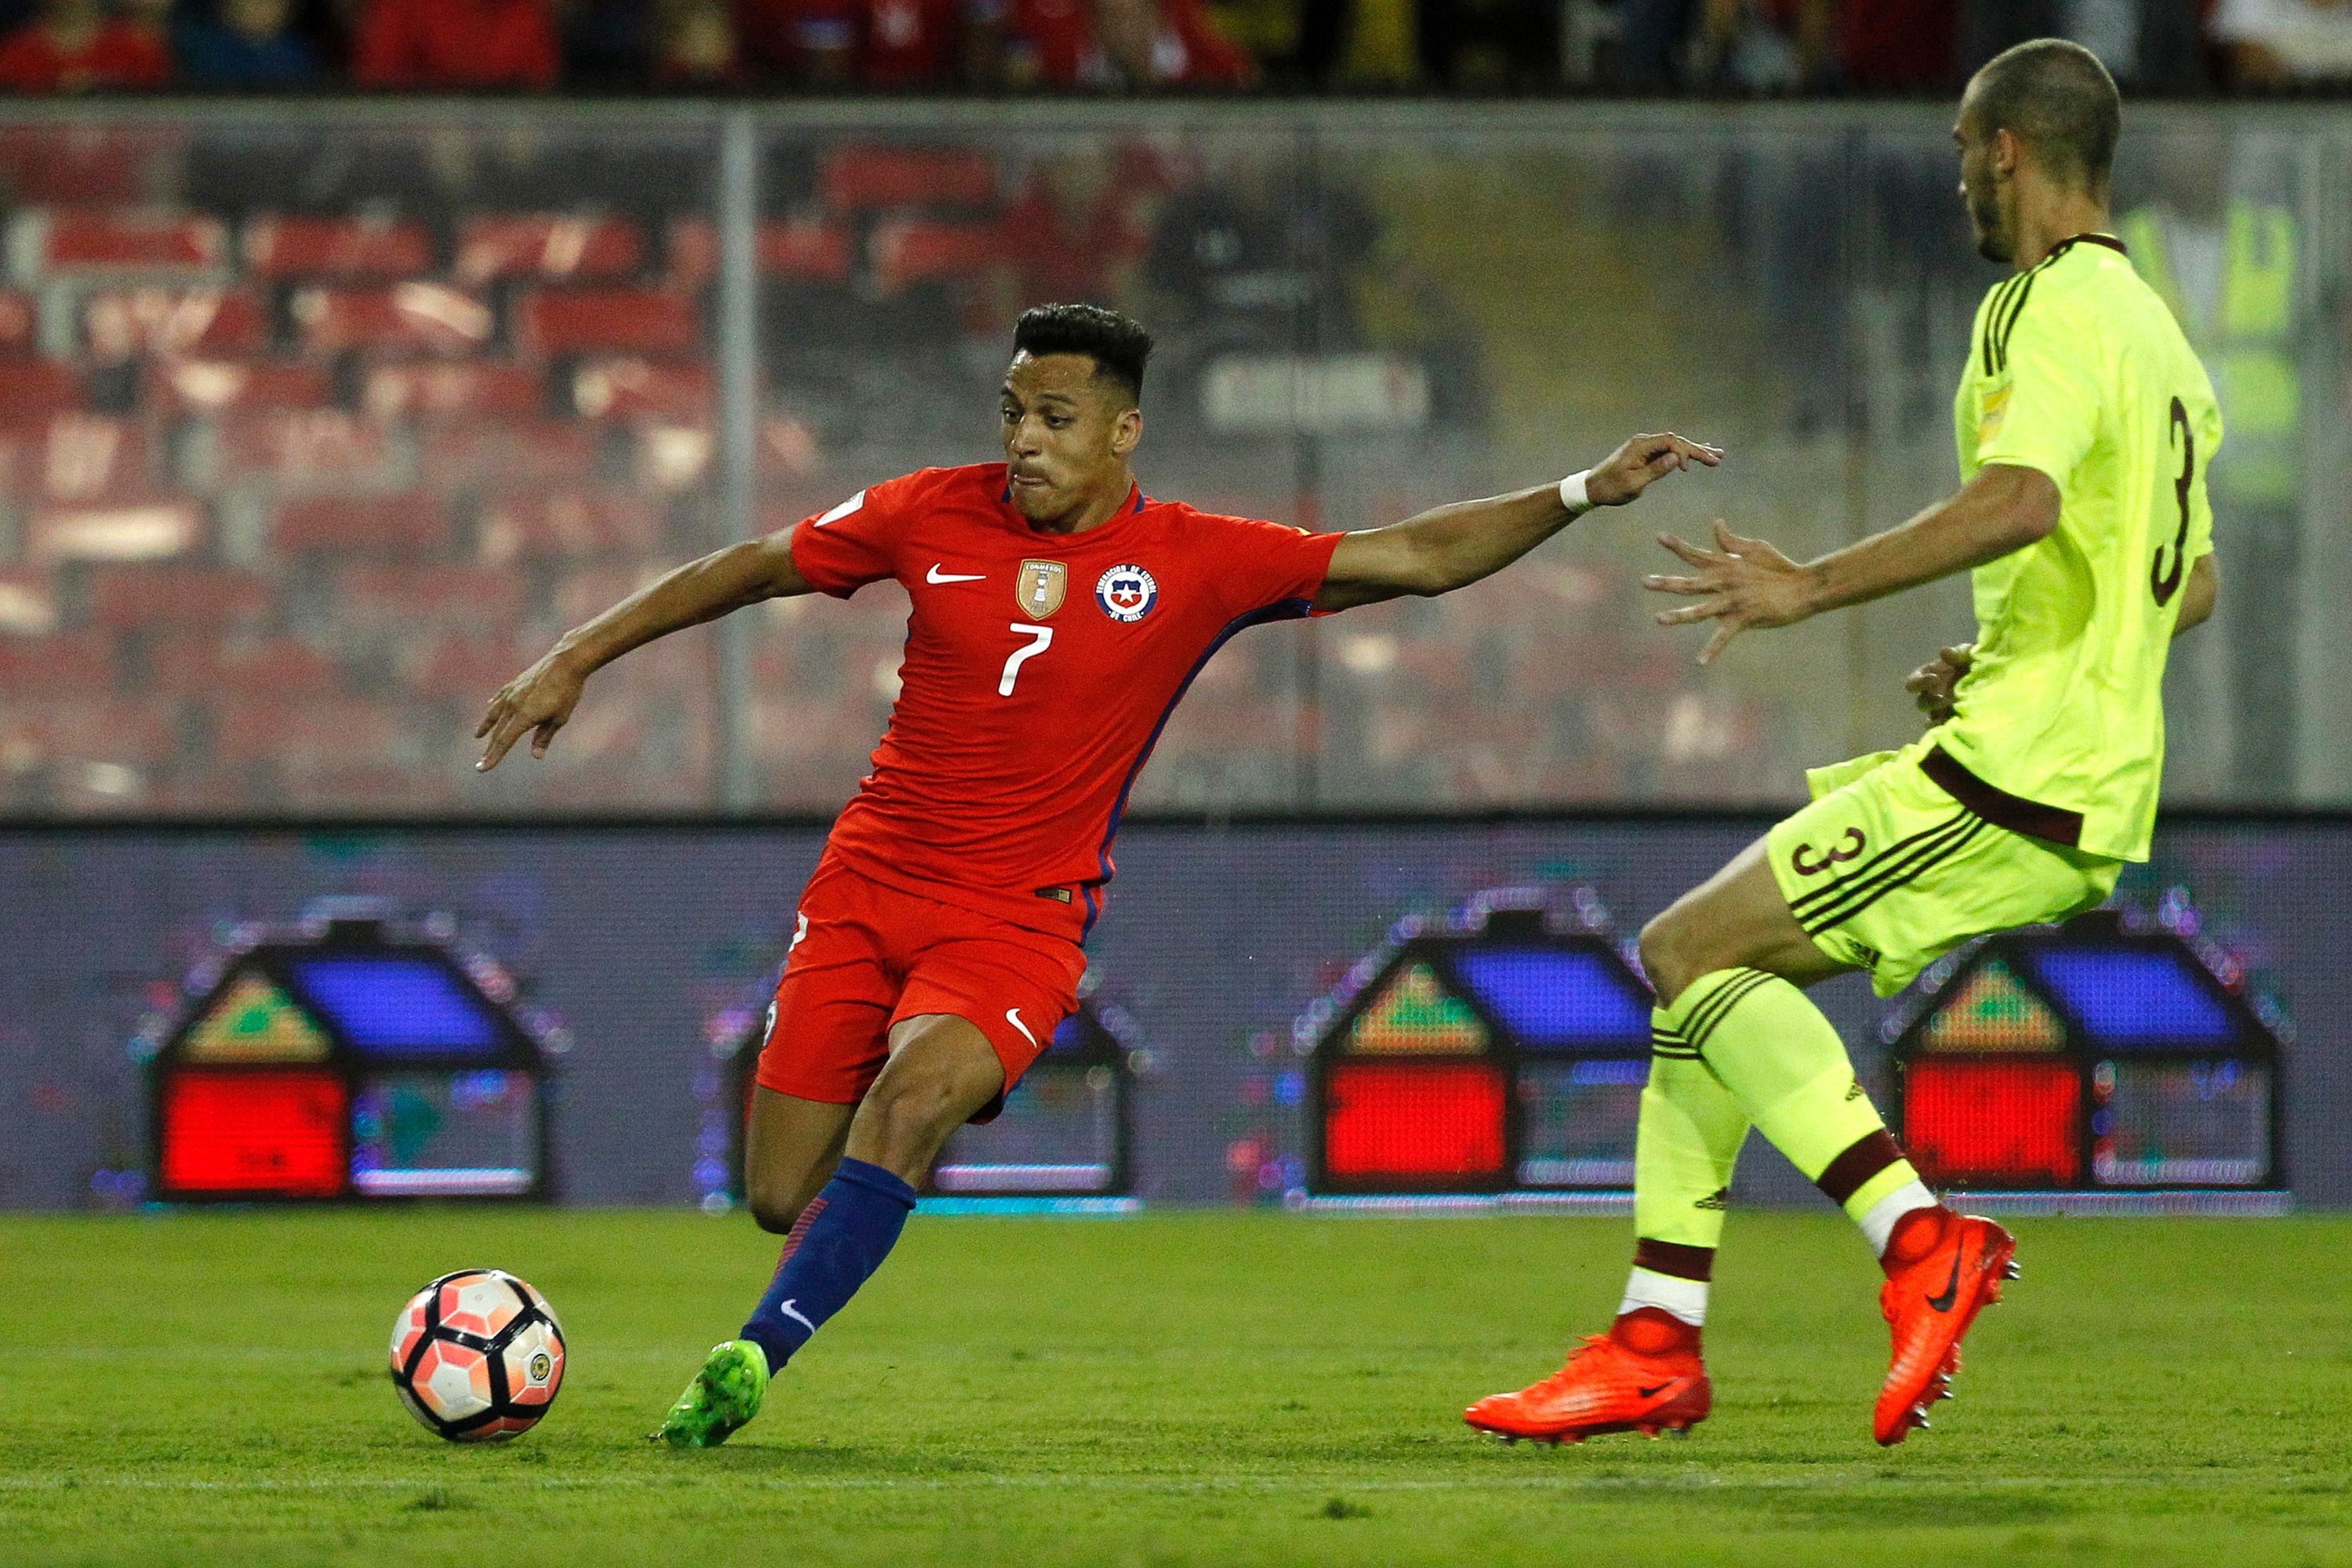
1889, 873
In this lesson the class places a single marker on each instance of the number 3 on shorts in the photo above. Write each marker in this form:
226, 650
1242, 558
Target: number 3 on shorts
1021, 655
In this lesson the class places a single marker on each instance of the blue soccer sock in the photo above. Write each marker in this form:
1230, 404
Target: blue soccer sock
836, 1246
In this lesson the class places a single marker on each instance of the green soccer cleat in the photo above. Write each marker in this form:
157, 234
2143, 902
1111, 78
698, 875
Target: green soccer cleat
724, 1395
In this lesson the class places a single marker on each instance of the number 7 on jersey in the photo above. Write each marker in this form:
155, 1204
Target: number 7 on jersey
1044, 638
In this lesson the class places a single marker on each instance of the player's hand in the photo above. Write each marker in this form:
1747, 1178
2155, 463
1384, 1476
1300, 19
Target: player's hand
538, 701
1642, 461
1745, 584
1932, 683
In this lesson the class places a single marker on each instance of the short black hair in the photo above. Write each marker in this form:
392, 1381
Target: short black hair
2057, 98
1119, 344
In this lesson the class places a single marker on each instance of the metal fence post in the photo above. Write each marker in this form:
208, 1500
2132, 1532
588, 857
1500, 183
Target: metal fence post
736, 515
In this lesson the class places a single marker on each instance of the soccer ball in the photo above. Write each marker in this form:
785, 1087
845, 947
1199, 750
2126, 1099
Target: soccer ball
477, 1355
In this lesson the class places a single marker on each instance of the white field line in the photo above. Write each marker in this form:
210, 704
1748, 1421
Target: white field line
510, 1481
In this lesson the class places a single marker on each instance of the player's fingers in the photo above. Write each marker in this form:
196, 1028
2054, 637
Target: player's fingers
1731, 543
1680, 585
1691, 552
1715, 645
1706, 610
545, 734
1958, 658
1695, 451
491, 715
511, 729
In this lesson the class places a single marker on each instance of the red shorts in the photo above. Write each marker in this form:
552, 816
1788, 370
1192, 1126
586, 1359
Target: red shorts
864, 956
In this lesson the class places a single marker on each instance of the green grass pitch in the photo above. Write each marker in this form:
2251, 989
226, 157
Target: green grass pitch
1177, 1388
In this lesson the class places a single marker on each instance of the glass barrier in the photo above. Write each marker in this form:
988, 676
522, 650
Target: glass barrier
320, 423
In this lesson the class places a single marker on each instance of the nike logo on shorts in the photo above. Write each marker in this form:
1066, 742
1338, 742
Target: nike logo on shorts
937, 576
1013, 1017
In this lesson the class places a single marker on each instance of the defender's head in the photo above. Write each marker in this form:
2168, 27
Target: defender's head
1069, 411
2045, 113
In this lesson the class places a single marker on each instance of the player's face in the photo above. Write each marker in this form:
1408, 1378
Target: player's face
1067, 432
1981, 188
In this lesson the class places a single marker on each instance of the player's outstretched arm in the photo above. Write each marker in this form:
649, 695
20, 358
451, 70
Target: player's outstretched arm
1453, 546
540, 700
1746, 584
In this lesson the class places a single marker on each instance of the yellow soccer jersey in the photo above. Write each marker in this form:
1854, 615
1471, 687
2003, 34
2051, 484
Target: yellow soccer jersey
2078, 370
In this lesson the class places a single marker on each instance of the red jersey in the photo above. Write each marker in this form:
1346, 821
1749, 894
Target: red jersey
455, 43
1040, 668
32, 60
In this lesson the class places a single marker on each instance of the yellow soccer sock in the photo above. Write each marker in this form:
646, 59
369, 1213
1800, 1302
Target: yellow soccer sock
1783, 1063
1688, 1143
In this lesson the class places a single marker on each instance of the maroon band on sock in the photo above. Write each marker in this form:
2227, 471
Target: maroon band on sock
1675, 1259
1869, 1154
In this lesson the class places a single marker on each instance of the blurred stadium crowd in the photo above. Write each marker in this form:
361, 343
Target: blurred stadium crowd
989, 46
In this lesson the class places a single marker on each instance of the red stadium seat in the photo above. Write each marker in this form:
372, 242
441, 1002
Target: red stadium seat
811, 248
122, 530
202, 663
76, 457
289, 246
46, 666
569, 524
120, 323
910, 252
105, 240
467, 670
409, 524
632, 388
153, 594
433, 594
32, 391
607, 321
302, 449
342, 731
393, 390
224, 386
852, 178
18, 321
507, 452
140, 731
547, 245
63, 161
406, 318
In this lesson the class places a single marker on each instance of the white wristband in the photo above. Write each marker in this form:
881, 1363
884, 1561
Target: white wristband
1572, 495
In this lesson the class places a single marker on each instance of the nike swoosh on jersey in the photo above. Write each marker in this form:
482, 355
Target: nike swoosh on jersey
1013, 1017
936, 575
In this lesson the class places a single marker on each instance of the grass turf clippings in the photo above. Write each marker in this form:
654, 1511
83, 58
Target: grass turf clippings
1182, 1388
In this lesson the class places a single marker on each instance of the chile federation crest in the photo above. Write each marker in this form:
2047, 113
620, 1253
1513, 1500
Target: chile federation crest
1127, 592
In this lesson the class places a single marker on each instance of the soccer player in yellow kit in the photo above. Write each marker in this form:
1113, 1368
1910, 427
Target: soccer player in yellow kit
2085, 425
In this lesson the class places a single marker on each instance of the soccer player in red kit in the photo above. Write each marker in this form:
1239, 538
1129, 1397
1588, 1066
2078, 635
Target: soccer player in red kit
1059, 613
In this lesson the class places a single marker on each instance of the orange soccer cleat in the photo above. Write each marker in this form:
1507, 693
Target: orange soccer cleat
1929, 1302
1609, 1385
